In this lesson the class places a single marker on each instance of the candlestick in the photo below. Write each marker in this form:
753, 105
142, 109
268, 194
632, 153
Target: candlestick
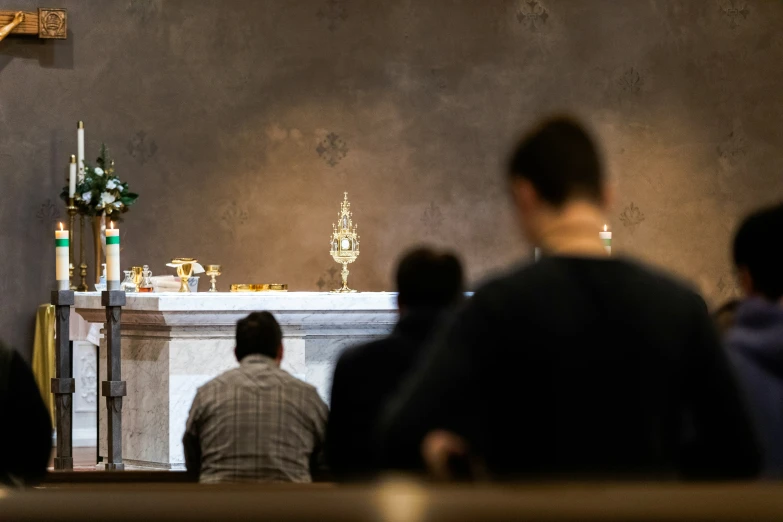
71, 259
61, 258
606, 237
72, 177
112, 258
82, 264
80, 149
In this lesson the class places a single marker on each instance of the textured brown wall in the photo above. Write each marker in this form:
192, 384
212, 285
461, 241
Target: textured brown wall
241, 123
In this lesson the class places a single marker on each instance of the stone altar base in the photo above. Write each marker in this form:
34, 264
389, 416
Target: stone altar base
173, 343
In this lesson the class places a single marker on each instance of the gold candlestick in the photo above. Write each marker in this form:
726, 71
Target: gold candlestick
72, 211
82, 264
344, 244
71, 220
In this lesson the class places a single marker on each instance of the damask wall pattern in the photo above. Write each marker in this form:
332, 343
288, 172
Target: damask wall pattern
242, 122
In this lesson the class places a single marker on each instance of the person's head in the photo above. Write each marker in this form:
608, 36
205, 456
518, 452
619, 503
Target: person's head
553, 166
758, 253
259, 333
428, 279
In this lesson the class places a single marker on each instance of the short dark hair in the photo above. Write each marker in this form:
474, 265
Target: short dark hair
561, 160
758, 249
426, 278
258, 333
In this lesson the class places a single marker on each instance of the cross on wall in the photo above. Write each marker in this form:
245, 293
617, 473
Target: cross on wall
45, 23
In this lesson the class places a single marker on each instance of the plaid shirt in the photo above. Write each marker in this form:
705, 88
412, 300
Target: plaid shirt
255, 423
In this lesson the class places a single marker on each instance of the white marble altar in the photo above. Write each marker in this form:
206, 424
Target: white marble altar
173, 343
85, 365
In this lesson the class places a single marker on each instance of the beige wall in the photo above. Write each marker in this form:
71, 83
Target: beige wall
215, 112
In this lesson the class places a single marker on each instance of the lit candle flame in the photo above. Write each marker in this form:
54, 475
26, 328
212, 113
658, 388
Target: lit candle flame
61, 227
111, 224
604, 227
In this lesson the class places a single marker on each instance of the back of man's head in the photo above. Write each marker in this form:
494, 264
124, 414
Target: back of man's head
561, 162
429, 279
258, 333
758, 252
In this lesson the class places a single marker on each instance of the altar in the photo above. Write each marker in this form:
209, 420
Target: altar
172, 343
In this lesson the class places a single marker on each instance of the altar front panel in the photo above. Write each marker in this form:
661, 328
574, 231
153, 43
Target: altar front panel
174, 343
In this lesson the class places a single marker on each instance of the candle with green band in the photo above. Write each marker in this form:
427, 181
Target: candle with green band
61, 259
112, 258
606, 237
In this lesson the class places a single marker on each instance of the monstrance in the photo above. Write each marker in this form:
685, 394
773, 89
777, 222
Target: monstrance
344, 245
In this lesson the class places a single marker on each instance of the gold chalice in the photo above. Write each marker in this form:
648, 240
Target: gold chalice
184, 271
213, 271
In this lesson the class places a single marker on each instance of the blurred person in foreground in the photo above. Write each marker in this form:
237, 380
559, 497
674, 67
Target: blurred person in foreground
580, 365
428, 283
724, 316
755, 342
26, 437
256, 423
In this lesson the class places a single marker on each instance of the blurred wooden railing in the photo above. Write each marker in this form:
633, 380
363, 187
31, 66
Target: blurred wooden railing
395, 502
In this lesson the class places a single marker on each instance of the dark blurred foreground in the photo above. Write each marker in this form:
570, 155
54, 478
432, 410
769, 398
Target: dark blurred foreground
391, 501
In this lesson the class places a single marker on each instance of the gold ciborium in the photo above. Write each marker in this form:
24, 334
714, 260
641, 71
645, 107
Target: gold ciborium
184, 267
213, 271
344, 245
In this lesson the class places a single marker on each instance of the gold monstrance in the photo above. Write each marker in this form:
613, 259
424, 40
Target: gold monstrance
345, 243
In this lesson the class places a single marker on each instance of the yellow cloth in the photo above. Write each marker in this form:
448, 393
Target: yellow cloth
43, 354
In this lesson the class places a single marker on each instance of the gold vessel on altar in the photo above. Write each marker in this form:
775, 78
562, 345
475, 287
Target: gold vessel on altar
184, 266
265, 287
344, 244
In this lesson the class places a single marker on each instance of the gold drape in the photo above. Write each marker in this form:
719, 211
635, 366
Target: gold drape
43, 354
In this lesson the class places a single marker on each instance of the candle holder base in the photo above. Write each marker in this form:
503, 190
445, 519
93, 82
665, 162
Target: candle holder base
63, 385
114, 388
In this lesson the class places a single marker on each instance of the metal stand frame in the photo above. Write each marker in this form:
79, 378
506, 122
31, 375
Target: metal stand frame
63, 386
114, 388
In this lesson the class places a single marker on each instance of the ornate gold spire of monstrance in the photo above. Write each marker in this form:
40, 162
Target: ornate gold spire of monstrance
345, 242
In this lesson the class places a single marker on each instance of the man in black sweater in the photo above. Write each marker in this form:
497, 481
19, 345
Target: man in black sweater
365, 376
578, 366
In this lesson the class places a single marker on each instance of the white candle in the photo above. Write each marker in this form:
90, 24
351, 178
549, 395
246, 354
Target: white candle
72, 177
80, 149
606, 238
61, 260
112, 258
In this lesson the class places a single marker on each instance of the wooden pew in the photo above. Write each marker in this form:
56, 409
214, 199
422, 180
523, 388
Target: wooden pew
398, 502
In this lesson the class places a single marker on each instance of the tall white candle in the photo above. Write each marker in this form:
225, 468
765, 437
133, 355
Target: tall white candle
72, 177
606, 238
80, 149
61, 261
112, 258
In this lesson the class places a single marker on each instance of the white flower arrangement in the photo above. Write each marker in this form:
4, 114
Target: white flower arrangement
100, 192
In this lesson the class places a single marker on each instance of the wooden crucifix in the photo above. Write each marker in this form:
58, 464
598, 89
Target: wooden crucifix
46, 23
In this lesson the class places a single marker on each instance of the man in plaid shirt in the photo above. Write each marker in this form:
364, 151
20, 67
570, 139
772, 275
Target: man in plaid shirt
256, 422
